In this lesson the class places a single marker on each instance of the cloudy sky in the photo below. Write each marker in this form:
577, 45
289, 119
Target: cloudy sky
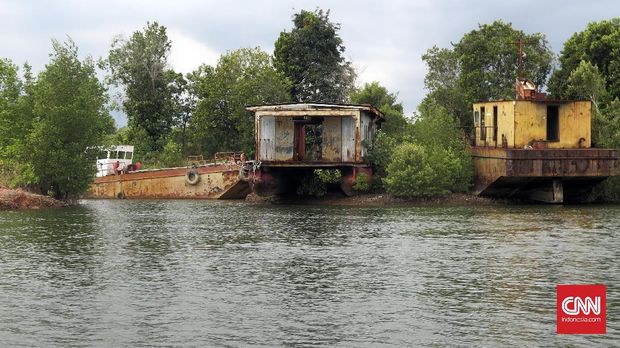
384, 39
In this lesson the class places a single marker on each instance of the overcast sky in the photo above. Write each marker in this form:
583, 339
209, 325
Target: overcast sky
384, 39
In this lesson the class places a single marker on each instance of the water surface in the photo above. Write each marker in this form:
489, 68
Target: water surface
211, 273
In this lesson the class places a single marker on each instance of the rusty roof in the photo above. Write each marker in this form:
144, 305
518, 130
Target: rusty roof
314, 106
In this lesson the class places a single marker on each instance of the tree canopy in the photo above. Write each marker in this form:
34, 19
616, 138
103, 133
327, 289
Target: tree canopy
62, 119
311, 56
484, 65
242, 77
140, 65
598, 44
377, 95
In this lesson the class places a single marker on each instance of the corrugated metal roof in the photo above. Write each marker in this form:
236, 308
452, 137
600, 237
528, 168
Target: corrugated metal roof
314, 106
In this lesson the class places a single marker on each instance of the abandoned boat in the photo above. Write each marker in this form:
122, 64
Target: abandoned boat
117, 177
537, 148
293, 139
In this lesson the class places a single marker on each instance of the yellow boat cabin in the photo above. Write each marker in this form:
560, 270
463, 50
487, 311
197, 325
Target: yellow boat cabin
536, 148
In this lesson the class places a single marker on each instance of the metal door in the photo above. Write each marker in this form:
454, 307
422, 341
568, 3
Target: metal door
348, 139
267, 138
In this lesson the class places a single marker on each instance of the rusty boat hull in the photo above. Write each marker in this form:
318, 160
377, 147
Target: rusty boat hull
215, 181
547, 175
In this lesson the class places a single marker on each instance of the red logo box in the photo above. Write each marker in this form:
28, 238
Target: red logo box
581, 309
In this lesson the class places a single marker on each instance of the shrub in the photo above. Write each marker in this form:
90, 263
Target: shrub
418, 171
362, 183
316, 183
172, 155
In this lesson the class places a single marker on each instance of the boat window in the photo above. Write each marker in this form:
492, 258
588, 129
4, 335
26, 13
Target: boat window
476, 117
102, 155
112, 154
128, 155
121, 155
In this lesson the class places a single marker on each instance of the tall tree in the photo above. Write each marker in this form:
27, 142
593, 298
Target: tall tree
242, 77
70, 122
483, 65
16, 107
598, 44
140, 64
586, 82
311, 56
377, 95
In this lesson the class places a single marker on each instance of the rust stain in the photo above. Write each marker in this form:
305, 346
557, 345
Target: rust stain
214, 182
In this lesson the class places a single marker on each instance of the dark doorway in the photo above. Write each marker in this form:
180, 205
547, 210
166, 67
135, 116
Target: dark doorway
299, 141
483, 128
553, 123
314, 141
308, 138
495, 125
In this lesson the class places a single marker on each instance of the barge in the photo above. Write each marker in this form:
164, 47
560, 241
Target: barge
536, 148
220, 179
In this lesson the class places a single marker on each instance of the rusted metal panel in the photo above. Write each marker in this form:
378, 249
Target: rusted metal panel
215, 182
493, 164
284, 131
332, 139
267, 138
348, 139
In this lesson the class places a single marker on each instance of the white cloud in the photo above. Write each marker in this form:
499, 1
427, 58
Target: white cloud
187, 53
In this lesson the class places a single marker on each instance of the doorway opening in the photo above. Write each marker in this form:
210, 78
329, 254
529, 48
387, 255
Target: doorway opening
553, 123
308, 139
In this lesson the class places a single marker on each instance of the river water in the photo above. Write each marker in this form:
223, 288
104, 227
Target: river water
210, 273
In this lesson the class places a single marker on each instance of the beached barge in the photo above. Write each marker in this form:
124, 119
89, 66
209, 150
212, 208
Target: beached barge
292, 139
217, 180
536, 148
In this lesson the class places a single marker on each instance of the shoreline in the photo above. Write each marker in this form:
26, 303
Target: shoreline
378, 200
19, 199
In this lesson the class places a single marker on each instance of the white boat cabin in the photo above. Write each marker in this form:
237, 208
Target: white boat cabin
107, 158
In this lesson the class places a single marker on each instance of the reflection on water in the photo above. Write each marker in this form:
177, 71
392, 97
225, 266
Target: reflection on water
204, 273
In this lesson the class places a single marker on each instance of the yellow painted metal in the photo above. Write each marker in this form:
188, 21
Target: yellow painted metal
524, 122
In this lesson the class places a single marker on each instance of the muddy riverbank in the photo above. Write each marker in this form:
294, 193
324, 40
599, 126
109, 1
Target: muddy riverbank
17, 199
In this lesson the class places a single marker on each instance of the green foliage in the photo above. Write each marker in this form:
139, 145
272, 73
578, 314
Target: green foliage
434, 158
373, 93
16, 106
152, 91
328, 176
483, 65
586, 82
598, 44
311, 56
606, 134
311, 185
418, 171
317, 182
172, 155
242, 77
380, 155
362, 184
70, 121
